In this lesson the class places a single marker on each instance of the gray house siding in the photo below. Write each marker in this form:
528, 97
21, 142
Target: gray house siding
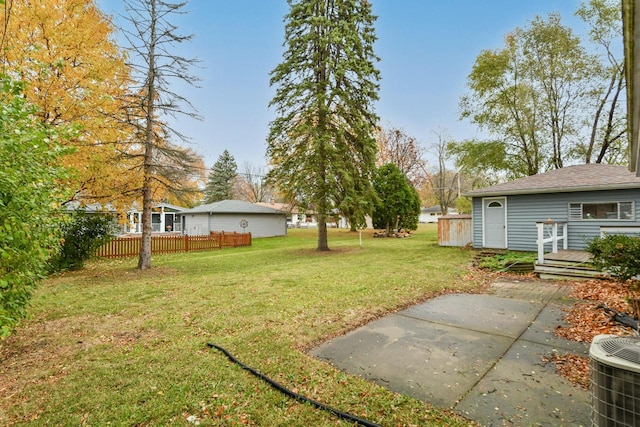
523, 211
476, 222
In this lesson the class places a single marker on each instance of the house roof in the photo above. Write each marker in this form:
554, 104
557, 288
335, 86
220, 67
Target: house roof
91, 207
135, 207
232, 206
285, 207
589, 177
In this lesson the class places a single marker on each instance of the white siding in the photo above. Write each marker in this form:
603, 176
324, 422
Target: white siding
196, 224
259, 225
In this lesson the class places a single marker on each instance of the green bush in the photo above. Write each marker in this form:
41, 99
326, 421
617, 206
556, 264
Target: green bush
82, 236
617, 254
31, 191
398, 204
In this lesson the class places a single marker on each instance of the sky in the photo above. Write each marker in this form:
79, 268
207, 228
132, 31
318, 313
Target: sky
427, 49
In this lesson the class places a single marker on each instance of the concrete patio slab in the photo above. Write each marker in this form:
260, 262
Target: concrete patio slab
483, 313
480, 355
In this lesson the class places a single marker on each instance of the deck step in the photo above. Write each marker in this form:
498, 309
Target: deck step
546, 271
568, 264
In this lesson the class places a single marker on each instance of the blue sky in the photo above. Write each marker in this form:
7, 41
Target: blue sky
427, 49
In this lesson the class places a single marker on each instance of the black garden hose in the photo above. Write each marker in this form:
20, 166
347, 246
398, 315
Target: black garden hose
298, 397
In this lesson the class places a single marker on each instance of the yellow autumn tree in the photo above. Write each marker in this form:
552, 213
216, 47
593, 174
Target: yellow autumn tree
76, 75
177, 173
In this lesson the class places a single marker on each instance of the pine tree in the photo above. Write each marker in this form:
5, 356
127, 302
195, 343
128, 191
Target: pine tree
322, 146
221, 178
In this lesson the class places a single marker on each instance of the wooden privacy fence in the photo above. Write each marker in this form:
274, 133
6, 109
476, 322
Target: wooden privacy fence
130, 245
454, 230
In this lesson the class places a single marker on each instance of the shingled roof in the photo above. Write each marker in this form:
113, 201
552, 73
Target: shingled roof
232, 206
589, 177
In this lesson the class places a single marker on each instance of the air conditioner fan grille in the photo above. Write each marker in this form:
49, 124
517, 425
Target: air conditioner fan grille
623, 348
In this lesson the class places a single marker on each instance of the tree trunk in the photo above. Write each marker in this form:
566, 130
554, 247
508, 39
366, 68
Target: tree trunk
323, 241
144, 260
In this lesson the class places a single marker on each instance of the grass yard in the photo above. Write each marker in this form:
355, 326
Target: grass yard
111, 345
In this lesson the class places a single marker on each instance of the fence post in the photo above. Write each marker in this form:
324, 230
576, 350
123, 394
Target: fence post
186, 243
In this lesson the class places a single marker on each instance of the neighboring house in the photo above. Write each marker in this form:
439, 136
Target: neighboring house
590, 199
431, 214
235, 215
98, 209
295, 218
164, 218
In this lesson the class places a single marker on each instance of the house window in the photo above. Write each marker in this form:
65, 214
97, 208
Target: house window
617, 211
494, 205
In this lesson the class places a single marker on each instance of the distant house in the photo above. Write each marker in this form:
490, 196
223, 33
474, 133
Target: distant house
235, 215
431, 214
296, 218
164, 218
590, 199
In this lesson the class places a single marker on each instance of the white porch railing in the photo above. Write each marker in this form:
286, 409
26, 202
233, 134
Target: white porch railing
552, 227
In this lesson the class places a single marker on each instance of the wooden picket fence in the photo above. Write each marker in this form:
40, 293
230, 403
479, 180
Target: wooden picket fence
165, 244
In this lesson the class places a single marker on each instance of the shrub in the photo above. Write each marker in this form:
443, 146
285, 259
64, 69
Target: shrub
617, 254
82, 236
31, 191
398, 204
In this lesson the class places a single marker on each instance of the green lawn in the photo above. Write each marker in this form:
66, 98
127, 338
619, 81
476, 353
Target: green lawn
110, 345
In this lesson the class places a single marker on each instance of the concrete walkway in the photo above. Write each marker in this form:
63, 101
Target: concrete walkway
477, 354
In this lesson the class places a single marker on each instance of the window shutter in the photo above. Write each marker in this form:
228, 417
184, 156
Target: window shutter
575, 211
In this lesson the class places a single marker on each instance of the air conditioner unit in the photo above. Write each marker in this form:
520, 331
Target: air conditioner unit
615, 381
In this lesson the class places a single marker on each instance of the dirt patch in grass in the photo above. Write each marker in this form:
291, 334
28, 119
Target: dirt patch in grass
333, 251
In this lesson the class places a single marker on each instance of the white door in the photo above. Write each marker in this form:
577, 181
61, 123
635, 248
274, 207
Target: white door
495, 230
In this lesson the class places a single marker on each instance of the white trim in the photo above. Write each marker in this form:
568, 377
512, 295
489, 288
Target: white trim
485, 202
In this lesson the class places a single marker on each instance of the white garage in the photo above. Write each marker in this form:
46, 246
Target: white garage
234, 215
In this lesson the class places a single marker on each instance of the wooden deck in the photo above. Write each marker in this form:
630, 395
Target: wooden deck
567, 264
569, 256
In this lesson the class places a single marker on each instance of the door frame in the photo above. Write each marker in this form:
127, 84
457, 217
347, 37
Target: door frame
485, 203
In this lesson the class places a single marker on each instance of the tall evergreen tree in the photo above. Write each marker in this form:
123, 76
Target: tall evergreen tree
322, 145
221, 178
